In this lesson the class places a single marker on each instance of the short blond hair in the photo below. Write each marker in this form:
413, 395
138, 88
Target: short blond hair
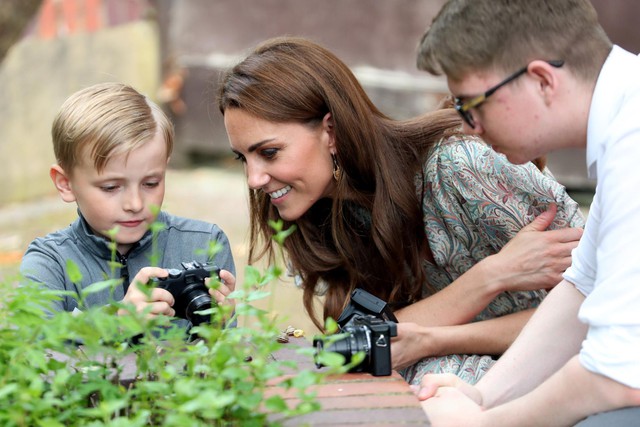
106, 119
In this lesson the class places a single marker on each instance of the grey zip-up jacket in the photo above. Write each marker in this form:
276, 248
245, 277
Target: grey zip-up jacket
183, 239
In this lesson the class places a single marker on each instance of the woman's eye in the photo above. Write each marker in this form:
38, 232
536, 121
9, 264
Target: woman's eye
240, 157
269, 153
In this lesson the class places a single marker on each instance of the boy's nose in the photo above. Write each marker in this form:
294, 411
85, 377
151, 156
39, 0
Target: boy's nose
133, 201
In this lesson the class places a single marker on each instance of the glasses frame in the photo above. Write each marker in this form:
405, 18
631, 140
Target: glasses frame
464, 108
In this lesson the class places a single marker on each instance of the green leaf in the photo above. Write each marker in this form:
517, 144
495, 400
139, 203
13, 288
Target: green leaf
73, 272
8, 389
331, 326
276, 404
50, 422
251, 276
329, 358
257, 295
99, 286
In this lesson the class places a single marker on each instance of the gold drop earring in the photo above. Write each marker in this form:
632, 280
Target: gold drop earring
337, 172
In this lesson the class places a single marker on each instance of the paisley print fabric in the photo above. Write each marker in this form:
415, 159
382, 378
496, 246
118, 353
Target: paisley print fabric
474, 201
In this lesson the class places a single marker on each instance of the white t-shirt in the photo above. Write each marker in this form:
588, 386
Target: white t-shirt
606, 264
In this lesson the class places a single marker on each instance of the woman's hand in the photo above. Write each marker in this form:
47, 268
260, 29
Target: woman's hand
161, 301
536, 257
411, 345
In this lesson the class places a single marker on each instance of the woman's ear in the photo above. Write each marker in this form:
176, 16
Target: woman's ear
62, 183
327, 126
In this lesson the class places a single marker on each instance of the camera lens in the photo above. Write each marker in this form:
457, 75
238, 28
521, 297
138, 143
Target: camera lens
197, 299
358, 339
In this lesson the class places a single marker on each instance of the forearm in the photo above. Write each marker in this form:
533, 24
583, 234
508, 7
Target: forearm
573, 393
552, 336
460, 302
493, 337
486, 337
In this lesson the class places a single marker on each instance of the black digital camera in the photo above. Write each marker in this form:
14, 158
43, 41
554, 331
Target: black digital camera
369, 324
189, 291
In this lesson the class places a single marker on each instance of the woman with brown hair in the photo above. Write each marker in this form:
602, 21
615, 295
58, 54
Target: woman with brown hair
412, 211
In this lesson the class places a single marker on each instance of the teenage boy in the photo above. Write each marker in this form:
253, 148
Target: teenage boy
529, 77
112, 146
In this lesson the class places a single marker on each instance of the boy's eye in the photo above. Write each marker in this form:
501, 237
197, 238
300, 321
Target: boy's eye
151, 184
108, 188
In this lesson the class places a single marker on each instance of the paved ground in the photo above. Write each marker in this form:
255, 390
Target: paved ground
216, 194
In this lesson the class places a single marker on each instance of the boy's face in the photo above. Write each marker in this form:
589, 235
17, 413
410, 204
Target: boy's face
123, 193
512, 119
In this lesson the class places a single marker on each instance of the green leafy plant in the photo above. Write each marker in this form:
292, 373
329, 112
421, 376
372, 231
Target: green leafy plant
96, 368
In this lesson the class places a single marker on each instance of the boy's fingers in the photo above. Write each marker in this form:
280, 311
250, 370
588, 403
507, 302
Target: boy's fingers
162, 296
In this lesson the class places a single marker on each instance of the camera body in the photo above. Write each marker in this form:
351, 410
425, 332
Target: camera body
189, 290
369, 325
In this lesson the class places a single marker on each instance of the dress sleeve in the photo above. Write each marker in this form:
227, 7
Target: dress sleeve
482, 189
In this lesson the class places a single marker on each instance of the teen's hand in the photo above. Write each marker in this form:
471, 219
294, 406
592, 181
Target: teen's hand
450, 407
432, 384
536, 257
449, 401
161, 301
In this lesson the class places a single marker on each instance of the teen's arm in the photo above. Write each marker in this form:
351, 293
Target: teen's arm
546, 343
571, 394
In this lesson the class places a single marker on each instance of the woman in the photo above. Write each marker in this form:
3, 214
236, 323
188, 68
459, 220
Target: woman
410, 211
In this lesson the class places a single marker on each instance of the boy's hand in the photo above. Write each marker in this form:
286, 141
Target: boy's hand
227, 285
160, 300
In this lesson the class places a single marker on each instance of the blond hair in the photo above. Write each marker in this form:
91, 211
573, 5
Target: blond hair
106, 119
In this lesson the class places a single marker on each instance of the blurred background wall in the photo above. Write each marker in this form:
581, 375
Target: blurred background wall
173, 51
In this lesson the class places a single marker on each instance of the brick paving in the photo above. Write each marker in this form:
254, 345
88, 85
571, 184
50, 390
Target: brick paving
353, 399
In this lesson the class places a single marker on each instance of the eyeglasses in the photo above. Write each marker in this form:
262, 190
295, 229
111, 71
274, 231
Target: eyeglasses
464, 108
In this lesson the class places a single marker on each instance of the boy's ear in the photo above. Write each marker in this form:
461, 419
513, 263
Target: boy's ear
62, 183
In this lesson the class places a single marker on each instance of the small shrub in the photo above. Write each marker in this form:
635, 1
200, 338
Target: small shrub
68, 369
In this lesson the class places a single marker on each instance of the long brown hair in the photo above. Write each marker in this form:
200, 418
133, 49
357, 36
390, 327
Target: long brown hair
370, 234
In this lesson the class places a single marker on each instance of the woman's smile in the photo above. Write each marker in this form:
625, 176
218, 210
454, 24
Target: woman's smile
279, 193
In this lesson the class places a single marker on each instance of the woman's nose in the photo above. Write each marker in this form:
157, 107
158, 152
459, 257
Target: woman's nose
257, 177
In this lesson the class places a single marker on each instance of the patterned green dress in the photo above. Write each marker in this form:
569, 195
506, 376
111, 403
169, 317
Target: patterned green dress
474, 201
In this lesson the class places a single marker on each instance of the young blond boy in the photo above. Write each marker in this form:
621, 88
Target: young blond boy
112, 146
